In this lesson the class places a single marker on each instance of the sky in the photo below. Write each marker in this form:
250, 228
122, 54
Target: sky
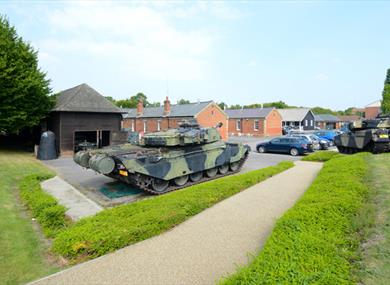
306, 53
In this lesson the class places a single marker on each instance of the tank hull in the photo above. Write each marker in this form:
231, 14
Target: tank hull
370, 140
158, 170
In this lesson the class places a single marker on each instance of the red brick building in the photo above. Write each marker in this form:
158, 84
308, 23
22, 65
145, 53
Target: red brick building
255, 122
151, 119
372, 110
327, 121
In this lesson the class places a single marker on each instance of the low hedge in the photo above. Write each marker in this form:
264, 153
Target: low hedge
322, 155
316, 241
115, 228
50, 215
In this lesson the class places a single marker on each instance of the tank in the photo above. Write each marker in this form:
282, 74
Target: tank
365, 135
168, 160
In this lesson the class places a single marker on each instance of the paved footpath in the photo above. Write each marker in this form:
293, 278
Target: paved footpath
206, 247
78, 205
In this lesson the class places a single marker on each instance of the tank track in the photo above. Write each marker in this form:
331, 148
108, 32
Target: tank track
190, 183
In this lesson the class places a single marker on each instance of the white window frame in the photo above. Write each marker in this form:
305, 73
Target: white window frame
238, 125
158, 125
311, 123
254, 125
132, 125
145, 125
306, 123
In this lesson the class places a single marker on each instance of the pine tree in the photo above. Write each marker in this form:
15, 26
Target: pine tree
24, 89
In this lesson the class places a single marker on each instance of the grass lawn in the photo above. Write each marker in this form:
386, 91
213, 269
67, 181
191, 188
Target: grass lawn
375, 265
22, 253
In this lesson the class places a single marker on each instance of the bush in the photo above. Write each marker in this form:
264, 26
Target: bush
115, 228
316, 240
44, 207
323, 155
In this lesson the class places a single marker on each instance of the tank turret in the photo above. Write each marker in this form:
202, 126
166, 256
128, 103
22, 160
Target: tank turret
365, 135
168, 160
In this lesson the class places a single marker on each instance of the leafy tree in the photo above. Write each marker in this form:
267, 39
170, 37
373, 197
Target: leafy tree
154, 104
320, 110
278, 105
24, 89
183, 101
222, 105
386, 95
132, 102
109, 98
236, 106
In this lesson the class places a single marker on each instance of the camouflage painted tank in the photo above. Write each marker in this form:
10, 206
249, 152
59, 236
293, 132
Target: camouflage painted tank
168, 160
365, 135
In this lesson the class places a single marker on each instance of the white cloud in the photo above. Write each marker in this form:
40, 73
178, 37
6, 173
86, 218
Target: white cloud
141, 38
322, 77
252, 63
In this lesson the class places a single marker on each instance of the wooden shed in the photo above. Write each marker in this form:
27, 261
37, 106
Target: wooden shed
83, 115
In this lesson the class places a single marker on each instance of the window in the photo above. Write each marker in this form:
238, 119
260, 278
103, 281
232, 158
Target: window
132, 125
256, 125
238, 125
311, 123
275, 141
306, 123
145, 126
158, 125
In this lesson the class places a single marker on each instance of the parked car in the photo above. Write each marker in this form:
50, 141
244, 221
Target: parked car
317, 142
291, 145
326, 134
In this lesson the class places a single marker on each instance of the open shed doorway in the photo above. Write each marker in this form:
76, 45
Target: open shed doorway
84, 140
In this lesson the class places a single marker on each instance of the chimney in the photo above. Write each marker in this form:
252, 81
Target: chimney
167, 106
140, 108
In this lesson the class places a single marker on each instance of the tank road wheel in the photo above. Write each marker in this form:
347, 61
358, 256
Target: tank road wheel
223, 169
159, 185
234, 166
180, 181
211, 172
195, 177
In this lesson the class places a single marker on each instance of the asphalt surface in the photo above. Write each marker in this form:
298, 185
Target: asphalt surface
96, 186
205, 248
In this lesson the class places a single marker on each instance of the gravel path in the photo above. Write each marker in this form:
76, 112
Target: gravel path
206, 247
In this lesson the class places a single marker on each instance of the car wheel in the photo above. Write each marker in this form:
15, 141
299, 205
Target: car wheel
261, 149
294, 152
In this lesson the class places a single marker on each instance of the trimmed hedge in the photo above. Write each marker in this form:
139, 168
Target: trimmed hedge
323, 155
316, 241
50, 215
115, 228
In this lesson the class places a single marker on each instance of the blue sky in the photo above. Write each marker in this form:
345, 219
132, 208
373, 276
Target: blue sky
333, 54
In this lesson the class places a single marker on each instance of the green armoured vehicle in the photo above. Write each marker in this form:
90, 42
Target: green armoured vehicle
168, 160
365, 135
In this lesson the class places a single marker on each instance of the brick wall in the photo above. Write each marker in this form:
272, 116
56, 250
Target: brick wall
372, 112
247, 127
211, 116
273, 124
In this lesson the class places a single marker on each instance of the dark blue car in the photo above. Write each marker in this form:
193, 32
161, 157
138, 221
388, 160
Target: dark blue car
325, 134
291, 145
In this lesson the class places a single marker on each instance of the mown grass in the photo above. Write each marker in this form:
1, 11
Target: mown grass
316, 241
115, 228
375, 264
22, 254
322, 155
44, 207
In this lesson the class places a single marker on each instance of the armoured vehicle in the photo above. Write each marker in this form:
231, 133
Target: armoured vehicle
365, 135
168, 160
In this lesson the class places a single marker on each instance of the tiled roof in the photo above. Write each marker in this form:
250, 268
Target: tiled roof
326, 118
83, 98
293, 115
177, 110
349, 118
248, 113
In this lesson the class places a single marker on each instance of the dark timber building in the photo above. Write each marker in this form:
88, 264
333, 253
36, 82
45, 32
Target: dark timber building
82, 114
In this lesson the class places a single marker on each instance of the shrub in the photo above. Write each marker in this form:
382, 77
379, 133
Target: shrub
315, 242
43, 206
323, 155
115, 228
